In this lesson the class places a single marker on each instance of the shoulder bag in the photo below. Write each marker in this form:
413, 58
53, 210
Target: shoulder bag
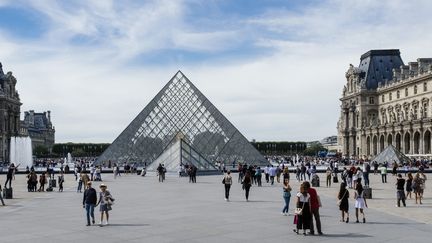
339, 202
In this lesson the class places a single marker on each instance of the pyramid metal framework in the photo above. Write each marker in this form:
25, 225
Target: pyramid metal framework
181, 112
391, 155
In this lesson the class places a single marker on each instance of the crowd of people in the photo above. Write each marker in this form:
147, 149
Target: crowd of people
307, 202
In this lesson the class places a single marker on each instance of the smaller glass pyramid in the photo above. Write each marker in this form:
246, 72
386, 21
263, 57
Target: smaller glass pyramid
391, 155
181, 119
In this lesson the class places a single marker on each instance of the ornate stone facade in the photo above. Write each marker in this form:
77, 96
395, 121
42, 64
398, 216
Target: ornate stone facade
9, 112
386, 102
40, 129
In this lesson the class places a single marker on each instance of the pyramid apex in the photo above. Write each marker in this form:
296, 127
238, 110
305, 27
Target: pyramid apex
179, 72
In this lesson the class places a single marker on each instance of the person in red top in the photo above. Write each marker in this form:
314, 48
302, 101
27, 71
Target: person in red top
315, 205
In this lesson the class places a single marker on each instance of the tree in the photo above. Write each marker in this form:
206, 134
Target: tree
40, 151
79, 152
314, 149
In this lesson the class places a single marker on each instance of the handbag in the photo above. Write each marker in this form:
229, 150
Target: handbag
223, 181
339, 202
298, 211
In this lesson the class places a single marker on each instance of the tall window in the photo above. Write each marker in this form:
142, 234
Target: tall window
382, 98
390, 96
415, 89
425, 86
371, 100
406, 92
398, 94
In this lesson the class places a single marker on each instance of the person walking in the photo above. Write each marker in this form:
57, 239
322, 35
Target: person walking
409, 183
105, 201
315, 204
272, 173
80, 182
10, 175
303, 206
286, 196
343, 197
328, 177
360, 202
60, 181
89, 202
366, 171
400, 190
383, 174
258, 176
266, 173
247, 183
227, 181
418, 187
42, 182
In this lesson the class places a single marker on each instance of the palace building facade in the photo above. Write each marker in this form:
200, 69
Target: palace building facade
385, 102
10, 105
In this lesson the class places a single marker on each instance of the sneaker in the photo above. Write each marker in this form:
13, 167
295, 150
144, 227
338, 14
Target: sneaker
93, 221
226, 199
364, 220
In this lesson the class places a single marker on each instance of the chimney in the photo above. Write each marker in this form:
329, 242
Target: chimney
49, 116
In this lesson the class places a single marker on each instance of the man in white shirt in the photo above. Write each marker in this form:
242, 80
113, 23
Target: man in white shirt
272, 173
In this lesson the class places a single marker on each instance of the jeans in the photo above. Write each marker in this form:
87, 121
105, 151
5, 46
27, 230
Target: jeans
400, 197
79, 186
227, 189
286, 208
366, 178
89, 212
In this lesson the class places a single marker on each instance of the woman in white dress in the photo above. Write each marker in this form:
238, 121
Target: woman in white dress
360, 202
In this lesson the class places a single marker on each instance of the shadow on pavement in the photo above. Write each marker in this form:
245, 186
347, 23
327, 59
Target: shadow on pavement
394, 223
345, 235
128, 225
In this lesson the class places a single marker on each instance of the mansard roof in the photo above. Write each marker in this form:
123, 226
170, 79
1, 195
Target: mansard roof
378, 66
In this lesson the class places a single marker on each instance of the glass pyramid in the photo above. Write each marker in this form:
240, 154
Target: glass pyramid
391, 155
181, 118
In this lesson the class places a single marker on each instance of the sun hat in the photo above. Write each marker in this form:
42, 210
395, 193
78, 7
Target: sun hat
102, 185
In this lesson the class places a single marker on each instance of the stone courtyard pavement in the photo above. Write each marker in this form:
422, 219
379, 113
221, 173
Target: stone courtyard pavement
177, 211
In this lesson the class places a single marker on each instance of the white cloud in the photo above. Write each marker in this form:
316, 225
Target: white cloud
290, 93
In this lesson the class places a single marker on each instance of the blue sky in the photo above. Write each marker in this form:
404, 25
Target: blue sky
274, 68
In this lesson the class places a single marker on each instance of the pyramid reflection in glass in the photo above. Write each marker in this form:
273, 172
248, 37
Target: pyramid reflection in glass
181, 126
